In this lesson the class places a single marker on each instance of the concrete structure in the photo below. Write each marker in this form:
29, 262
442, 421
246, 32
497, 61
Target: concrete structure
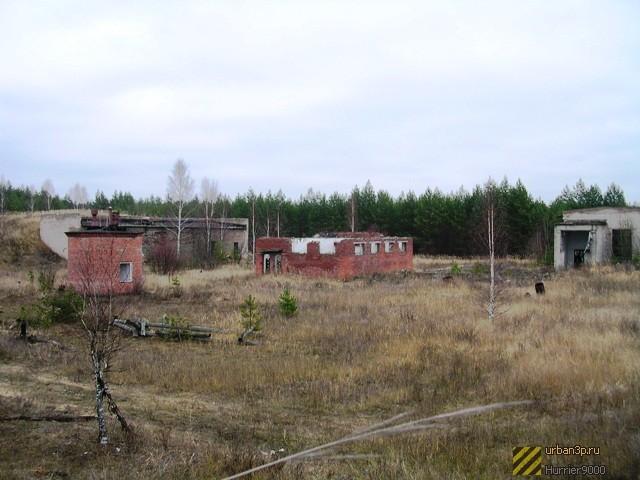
53, 227
231, 234
596, 235
105, 261
338, 255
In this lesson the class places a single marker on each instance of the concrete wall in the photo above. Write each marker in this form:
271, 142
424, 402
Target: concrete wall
601, 245
53, 227
94, 261
617, 219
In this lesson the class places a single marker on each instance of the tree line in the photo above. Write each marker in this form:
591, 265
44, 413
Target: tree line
440, 223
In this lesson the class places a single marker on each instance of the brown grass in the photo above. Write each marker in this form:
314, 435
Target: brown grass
357, 353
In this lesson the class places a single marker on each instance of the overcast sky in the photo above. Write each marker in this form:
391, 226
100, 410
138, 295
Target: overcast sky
323, 95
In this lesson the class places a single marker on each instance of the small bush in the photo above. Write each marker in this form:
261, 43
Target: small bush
178, 328
59, 305
288, 303
163, 258
219, 255
479, 269
176, 287
251, 318
62, 306
46, 280
33, 315
456, 269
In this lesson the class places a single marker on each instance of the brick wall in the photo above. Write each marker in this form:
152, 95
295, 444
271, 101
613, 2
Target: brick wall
343, 264
95, 257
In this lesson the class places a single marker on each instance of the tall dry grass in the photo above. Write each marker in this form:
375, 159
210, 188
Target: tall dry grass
359, 352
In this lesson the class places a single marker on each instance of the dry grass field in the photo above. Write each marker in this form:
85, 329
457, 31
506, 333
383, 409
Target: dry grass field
356, 354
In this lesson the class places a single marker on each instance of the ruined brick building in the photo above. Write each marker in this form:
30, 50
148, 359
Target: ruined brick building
338, 255
594, 236
106, 261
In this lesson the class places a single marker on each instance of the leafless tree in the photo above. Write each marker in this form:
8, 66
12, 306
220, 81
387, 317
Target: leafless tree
352, 211
209, 194
31, 190
252, 199
4, 186
78, 195
224, 207
97, 283
49, 191
180, 188
491, 234
279, 201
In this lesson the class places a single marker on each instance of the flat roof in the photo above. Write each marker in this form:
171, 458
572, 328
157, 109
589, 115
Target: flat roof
582, 222
104, 233
597, 209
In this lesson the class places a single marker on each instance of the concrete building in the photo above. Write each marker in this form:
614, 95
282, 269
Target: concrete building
230, 234
106, 261
596, 235
338, 255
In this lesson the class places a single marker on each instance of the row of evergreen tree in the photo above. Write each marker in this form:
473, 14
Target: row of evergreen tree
440, 223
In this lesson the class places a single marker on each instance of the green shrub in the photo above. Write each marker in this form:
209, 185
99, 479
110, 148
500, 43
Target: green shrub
61, 306
479, 269
288, 303
178, 328
636, 260
456, 269
46, 280
33, 315
251, 316
218, 254
176, 287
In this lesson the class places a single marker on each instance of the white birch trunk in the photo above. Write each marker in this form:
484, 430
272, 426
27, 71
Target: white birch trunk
179, 232
253, 229
491, 307
103, 438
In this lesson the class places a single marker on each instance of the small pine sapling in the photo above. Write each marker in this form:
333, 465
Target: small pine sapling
251, 318
288, 303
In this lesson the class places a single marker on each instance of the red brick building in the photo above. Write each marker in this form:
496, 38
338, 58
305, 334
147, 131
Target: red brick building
105, 261
340, 255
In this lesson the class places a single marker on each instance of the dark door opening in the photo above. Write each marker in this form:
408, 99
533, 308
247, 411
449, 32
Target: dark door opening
272, 262
578, 257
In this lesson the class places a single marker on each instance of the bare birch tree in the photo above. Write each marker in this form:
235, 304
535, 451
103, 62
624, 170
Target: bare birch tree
78, 195
179, 191
31, 190
252, 199
4, 186
209, 194
491, 234
491, 242
103, 340
280, 198
224, 208
352, 211
49, 191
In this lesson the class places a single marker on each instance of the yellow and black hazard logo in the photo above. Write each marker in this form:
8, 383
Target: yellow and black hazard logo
527, 461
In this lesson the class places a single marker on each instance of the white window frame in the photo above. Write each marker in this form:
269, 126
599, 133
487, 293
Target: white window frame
358, 246
130, 278
377, 248
402, 245
388, 246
